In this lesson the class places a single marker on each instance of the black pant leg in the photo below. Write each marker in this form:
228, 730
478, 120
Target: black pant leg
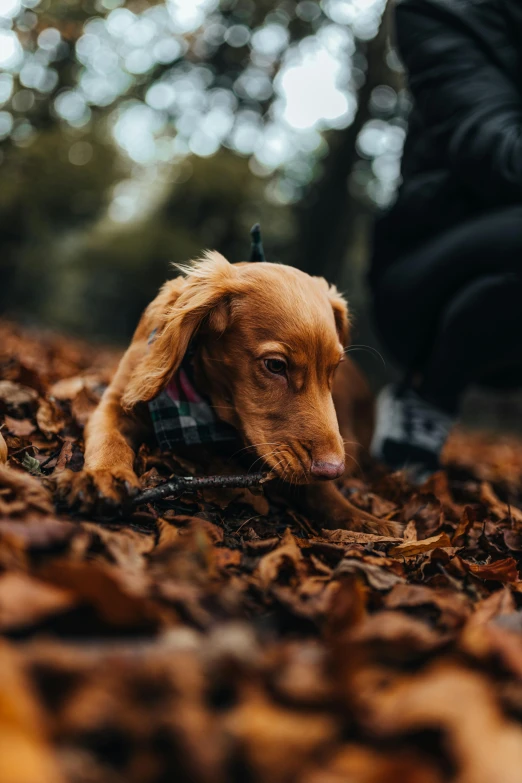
450, 310
479, 336
411, 294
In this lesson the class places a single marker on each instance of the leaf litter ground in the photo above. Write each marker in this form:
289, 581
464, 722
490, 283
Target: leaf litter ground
221, 638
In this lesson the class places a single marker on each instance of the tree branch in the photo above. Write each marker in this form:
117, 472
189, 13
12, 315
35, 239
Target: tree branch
193, 483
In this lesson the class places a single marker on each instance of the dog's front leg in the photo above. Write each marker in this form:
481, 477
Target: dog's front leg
330, 509
112, 436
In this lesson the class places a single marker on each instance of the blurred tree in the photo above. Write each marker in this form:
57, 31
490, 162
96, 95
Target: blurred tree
328, 210
138, 134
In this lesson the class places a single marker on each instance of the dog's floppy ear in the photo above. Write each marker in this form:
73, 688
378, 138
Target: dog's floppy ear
209, 284
341, 315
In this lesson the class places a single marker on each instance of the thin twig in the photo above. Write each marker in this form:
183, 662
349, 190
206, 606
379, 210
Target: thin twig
193, 483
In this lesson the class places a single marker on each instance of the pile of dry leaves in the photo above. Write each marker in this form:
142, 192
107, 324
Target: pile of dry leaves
217, 639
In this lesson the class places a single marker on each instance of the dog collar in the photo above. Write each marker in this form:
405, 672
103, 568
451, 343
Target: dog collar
181, 414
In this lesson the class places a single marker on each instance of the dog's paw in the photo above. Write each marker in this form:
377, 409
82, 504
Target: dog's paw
101, 491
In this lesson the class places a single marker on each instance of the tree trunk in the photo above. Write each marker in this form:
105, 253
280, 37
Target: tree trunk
326, 215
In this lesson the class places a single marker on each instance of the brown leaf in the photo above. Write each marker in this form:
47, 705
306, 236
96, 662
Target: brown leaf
124, 547
25, 601
223, 498
382, 508
461, 703
498, 571
25, 755
453, 607
499, 603
496, 643
50, 418
410, 548
67, 388
21, 493
3, 450
410, 531
286, 558
277, 742
21, 428
426, 512
438, 485
496, 506
513, 540
226, 558
65, 455
354, 537
361, 764
257, 501
347, 607
467, 520
16, 398
100, 587
376, 576
168, 534
397, 634
37, 532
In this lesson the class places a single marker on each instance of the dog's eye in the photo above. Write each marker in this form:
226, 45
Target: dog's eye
275, 366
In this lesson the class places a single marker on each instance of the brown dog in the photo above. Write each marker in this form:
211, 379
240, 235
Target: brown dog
267, 347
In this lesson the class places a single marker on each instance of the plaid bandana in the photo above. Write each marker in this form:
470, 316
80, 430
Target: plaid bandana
181, 415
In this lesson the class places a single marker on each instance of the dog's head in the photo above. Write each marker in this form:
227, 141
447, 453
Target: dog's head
269, 341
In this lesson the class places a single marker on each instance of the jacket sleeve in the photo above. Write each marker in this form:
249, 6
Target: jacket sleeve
471, 107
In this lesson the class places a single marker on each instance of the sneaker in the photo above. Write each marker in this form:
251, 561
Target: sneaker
409, 433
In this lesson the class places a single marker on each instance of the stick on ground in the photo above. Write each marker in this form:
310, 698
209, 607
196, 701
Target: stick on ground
192, 483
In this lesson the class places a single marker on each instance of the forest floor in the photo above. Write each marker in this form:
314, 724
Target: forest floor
221, 639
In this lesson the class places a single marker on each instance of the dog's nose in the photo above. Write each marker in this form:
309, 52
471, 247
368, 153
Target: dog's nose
322, 469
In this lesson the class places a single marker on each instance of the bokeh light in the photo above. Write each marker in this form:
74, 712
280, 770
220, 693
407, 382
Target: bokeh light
272, 100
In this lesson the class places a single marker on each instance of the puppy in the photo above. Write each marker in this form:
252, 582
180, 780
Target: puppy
248, 352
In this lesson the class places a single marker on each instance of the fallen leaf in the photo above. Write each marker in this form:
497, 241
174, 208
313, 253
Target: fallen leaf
22, 428
362, 764
65, 456
50, 418
410, 548
98, 586
467, 520
16, 398
278, 742
25, 752
31, 464
453, 608
499, 603
3, 450
37, 531
395, 635
498, 571
376, 576
67, 388
21, 493
355, 537
26, 601
463, 705
496, 506
226, 558
410, 531
287, 559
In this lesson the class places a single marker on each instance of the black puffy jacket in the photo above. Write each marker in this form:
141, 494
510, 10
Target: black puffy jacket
463, 152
